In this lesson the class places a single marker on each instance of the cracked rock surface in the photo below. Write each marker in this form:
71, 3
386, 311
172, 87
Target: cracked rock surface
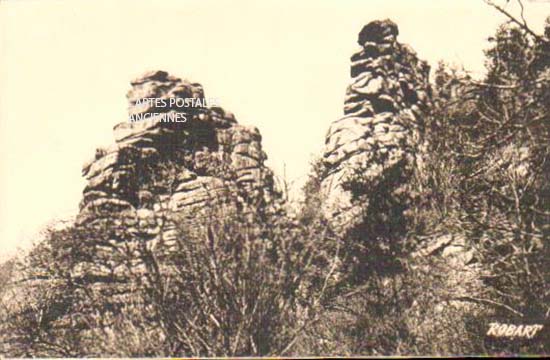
383, 111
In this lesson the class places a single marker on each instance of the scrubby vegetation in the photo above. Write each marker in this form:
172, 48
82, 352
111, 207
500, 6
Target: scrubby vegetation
262, 282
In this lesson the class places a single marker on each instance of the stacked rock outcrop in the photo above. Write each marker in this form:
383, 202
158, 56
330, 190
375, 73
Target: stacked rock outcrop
379, 136
160, 170
382, 125
210, 137
211, 150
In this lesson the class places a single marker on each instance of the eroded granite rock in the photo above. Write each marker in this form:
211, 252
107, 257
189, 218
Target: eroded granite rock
212, 150
159, 170
382, 123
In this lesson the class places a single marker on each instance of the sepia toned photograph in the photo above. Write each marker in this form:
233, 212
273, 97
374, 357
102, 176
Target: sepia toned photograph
274, 178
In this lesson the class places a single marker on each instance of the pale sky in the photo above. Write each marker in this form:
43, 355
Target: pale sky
283, 66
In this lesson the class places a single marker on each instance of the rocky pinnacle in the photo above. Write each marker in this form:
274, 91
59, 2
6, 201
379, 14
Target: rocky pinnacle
384, 108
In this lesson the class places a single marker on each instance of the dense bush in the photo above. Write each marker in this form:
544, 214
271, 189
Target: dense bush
234, 284
488, 174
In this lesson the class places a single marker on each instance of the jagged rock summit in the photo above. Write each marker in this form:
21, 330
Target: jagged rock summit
210, 154
382, 123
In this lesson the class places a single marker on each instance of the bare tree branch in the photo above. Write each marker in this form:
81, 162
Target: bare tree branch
521, 24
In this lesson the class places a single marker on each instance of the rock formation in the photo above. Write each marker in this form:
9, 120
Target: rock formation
159, 170
382, 123
375, 150
211, 151
381, 133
